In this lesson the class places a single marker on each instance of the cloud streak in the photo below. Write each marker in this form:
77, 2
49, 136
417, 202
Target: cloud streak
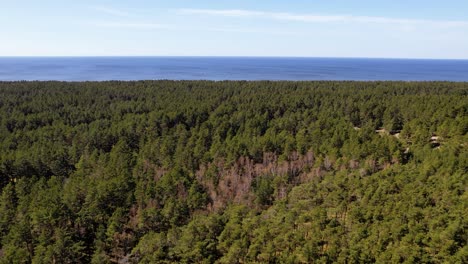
111, 11
137, 26
157, 26
312, 18
214, 12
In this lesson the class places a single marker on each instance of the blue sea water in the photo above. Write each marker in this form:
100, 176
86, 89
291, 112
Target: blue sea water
229, 68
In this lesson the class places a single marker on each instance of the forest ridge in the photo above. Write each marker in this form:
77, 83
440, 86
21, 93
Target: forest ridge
233, 172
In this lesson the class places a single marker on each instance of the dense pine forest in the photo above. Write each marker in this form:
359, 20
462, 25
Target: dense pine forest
233, 172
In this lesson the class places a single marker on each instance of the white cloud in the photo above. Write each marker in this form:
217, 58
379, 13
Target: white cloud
312, 18
157, 26
232, 12
140, 26
247, 30
111, 11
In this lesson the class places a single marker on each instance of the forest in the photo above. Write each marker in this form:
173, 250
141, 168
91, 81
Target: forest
233, 172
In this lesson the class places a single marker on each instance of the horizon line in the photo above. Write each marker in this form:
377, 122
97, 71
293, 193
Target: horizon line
224, 56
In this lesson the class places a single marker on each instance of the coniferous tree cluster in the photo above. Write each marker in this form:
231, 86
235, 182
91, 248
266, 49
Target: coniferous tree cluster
233, 172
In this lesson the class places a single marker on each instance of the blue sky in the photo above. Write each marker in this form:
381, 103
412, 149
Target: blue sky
312, 28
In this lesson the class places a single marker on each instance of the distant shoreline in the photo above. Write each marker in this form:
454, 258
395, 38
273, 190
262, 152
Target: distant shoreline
233, 81
228, 57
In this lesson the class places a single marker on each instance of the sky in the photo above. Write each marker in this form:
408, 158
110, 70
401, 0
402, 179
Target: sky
300, 28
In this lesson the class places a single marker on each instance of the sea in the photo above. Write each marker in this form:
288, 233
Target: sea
229, 68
